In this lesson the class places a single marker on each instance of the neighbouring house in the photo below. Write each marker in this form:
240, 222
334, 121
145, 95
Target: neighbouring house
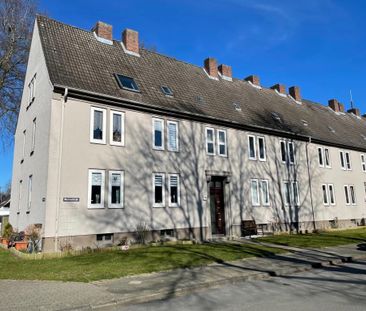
4, 214
113, 137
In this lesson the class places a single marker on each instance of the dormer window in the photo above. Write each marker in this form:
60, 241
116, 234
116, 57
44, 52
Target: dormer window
127, 83
167, 90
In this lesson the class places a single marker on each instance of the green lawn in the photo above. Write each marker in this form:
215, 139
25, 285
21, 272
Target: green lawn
113, 264
324, 239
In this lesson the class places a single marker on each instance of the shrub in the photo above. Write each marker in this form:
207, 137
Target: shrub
33, 235
142, 230
8, 231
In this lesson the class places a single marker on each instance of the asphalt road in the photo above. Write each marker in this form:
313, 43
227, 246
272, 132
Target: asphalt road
333, 288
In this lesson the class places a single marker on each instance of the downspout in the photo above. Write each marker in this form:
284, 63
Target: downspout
61, 137
310, 183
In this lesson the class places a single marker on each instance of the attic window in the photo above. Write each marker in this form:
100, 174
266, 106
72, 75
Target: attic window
276, 117
127, 83
331, 129
237, 106
167, 90
304, 122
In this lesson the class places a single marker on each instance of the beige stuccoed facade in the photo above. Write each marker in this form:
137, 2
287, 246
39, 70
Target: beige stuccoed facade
64, 154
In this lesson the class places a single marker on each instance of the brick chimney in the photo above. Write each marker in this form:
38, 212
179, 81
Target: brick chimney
280, 88
253, 79
130, 39
334, 104
355, 111
225, 71
210, 65
294, 91
103, 30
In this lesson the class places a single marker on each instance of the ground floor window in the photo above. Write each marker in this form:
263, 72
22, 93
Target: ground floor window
96, 189
291, 193
173, 190
116, 189
350, 195
260, 192
158, 189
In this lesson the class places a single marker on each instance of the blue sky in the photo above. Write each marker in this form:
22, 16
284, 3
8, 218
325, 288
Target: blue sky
319, 45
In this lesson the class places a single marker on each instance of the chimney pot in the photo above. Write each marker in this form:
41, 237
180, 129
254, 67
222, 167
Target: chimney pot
253, 79
103, 30
130, 39
355, 111
295, 93
279, 87
225, 70
210, 65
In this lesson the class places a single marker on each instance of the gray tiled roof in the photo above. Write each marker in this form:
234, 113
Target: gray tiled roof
76, 59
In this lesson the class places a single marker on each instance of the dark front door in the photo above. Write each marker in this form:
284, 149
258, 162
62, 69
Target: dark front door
217, 206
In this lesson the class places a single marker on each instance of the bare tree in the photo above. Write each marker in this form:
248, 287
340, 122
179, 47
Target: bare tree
5, 192
16, 21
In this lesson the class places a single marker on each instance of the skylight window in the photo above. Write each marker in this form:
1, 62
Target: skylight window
363, 136
200, 100
127, 83
237, 106
331, 129
304, 122
167, 90
276, 117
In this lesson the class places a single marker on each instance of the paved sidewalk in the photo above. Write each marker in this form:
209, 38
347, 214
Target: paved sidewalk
49, 295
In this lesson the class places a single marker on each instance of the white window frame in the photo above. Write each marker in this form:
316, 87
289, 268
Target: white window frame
321, 157
334, 197
162, 204
24, 144
32, 89
347, 194
293, 151
121, 204
176, 135
290, 186
220, 143
101, 204
213, 140
363, 162
264, 201
34, 131
20, 195
178, 190
327, 163
325, 187
255, 202
285, 154
254, 147
162, 133
348, 163
287, 190
30, 190
353, 199
296, 200
111, 141
103, 140
264, 148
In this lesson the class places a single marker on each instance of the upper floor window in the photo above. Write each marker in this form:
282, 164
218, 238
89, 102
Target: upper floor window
34, 128
96, 189
32, 90
345, 160
117, 123
363, 163
349, 193
210, 141
173, 137
291, 193
323, 157
328, 194
127, 83
115, 199
221, 143
158, 134
287, 152
98, 125
256, 147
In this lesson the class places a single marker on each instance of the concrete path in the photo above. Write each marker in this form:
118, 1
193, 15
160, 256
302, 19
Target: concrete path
45, 295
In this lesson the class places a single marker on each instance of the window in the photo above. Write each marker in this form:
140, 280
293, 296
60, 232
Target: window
104, 237
167, 90
320, 156
158, 134
32, 90
255, 192
325, 195
350, 195
97, 125
287, 152
327, 157
30, 186
251, 147
363, 163
117, 124
261, 149
20, 194
174, 196
210, 141
331, 194
345, 160
221, 143
265, 192
115, 189
24, 142
127, 83
96, 189
173, 140
291, 193
158, 185
34, 127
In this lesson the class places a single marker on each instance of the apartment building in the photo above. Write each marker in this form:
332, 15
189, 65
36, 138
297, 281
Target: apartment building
112, 136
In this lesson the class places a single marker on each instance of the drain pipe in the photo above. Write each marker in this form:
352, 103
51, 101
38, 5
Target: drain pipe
310, 183
61, 137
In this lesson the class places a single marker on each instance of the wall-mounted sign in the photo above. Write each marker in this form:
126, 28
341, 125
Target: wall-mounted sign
71, 200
